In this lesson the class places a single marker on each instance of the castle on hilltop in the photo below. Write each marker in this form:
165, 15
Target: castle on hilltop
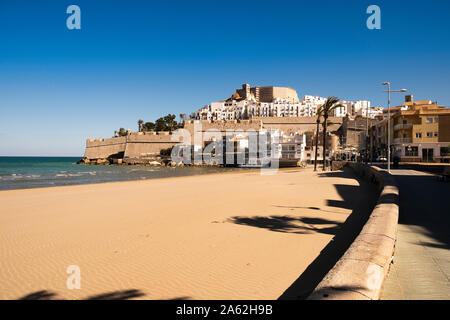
265, 94
269, 101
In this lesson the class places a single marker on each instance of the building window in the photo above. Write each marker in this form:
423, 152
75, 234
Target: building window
405, 121
445, 151
411, 151
418, 135
436, 119
429, 120
436, 134
429, 134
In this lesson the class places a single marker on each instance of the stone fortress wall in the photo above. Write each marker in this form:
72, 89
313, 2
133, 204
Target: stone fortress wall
135, 145
297, 124
144, 144
139, 145
285, 124
104, 148
221, 125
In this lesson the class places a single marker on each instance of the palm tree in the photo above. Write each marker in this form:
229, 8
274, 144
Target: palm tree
148, 126
122, 132
330, 104
319, 114
140, 123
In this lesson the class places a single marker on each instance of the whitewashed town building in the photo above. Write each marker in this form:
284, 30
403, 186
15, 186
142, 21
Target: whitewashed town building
248, 102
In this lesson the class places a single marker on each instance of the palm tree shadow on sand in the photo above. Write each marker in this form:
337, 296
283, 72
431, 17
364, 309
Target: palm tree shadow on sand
289, 224
344, 233
361, 208
118, 295
114, 295
39, 295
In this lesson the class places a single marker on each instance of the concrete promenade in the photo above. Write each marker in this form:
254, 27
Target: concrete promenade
421, 268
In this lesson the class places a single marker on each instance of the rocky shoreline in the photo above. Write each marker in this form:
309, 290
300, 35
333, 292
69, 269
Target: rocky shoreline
153, 162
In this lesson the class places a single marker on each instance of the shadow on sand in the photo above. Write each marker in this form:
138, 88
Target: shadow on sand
118, 295
361, 206
359, 199
288, 224
114, 295
39, 295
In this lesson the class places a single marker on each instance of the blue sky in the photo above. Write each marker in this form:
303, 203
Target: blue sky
143, 59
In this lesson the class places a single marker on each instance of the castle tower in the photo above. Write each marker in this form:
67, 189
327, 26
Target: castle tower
246, 89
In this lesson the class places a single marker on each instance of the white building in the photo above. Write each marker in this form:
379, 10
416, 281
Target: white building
239, 108
352, 108
372, 112
309, 105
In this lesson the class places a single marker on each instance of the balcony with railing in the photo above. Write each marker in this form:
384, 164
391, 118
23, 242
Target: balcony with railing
403, 126
402, 140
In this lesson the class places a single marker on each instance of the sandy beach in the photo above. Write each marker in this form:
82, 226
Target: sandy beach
221, 236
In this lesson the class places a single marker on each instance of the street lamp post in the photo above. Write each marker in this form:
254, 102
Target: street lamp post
389, 120
367, 133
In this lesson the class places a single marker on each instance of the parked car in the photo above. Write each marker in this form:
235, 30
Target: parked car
381, 159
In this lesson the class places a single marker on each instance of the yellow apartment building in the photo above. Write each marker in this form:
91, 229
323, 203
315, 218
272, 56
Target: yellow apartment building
421, 131
378, 139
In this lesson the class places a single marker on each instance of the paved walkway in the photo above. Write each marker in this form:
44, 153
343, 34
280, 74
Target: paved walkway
421, 268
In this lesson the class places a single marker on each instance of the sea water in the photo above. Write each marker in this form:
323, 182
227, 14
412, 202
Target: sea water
38, 172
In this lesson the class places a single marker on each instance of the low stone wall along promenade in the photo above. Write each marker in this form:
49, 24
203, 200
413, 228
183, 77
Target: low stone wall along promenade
360, 272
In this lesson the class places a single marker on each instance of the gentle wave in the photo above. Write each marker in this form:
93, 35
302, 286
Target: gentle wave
21, 173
